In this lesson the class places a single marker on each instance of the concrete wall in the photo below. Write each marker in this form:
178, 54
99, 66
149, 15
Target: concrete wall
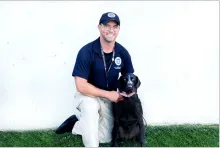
174, 48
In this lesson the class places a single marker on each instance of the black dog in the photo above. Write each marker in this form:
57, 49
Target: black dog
128, 113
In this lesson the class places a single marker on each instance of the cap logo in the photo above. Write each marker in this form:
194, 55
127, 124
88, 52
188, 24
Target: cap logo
112, 15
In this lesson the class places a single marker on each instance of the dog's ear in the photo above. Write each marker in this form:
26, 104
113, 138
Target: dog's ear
138, 82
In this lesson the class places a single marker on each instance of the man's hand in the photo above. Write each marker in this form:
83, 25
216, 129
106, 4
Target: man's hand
113, 96
90, 90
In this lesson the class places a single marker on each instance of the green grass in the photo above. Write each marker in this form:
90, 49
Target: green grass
157, 136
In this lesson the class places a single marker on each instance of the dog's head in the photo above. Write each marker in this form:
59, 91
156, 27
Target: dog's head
128, 83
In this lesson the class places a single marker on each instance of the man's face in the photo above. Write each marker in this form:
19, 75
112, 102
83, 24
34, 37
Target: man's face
109, 31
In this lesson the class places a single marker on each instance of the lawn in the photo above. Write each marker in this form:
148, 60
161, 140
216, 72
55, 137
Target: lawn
156, 136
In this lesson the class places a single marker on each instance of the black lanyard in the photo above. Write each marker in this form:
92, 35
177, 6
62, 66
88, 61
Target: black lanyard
107, 70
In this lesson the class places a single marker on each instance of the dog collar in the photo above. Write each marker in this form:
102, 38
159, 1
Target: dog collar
121, 99
123, 94
126, 95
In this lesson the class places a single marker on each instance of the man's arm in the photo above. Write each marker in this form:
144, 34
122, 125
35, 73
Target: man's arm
90, 90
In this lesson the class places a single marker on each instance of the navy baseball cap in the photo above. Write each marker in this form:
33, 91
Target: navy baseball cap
109, 16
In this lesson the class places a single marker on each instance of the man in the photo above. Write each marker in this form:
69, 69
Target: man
96, 71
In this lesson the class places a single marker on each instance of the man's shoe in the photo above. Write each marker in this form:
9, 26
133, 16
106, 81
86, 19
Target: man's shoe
67, 125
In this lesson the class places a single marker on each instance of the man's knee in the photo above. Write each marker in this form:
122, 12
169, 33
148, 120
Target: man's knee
89, 107
89, 113
88, 103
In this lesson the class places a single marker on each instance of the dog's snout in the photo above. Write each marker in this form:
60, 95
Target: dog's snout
129, 81
129, 87
129, 84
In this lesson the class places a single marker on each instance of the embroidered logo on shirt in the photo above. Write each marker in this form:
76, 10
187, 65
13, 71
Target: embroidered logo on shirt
118, 61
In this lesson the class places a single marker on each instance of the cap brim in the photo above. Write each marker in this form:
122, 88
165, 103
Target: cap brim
105, 22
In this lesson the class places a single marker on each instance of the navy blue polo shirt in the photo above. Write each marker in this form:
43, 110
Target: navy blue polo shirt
90, 66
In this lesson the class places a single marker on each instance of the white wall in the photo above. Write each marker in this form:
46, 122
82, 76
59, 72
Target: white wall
174, 48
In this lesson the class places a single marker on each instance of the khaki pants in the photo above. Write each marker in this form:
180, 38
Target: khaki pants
95, 120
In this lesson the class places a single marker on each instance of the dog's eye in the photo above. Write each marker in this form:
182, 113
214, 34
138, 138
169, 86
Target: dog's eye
125, 79
132, 79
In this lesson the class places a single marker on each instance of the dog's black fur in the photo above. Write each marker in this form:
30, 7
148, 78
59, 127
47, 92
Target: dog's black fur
128, 113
